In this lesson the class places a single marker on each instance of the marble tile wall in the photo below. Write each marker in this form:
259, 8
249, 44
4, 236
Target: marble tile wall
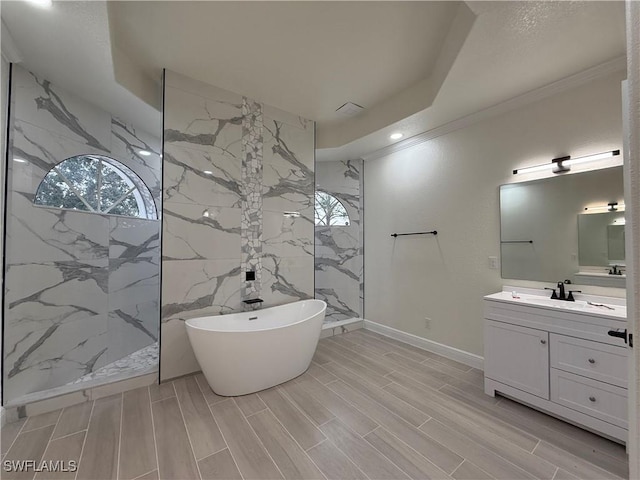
232, 167
339, 249
82, 289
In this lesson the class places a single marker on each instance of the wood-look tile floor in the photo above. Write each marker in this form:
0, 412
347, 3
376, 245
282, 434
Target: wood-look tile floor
368, 408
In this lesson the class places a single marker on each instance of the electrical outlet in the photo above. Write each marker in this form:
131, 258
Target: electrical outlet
493, 263
427, 323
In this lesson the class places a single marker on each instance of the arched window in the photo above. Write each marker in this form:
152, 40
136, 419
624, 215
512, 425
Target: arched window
97, 184
329, 211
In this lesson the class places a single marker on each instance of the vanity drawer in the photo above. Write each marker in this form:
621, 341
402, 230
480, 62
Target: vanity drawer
606, 363
593, 398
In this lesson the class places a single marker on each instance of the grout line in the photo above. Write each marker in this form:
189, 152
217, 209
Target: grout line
69, 434
32, 430
120, 435
314, 446
260, 440
55, 425
153, 429
254, 413
330, 420
22, 430
184, 423
296, 407
409, 447
49, 440
214, 453
534, 448
553, 430
556, 473
84, 442
296, 441
423, 423
390, 459
373, 430
223, 437
456, 469
145, 473
375, 387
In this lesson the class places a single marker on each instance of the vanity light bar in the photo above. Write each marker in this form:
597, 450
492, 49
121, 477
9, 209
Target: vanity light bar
563, 164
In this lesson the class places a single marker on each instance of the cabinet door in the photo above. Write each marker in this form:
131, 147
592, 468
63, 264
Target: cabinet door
517, 356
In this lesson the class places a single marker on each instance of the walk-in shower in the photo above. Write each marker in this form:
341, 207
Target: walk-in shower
82, 240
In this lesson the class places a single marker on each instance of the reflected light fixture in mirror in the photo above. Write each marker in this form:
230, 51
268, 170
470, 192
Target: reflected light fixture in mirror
563, 164
610, 207
41, 3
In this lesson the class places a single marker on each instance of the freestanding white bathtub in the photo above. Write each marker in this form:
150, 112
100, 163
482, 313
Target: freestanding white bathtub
240, 354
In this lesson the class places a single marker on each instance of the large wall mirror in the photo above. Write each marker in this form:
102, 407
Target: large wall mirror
564, 228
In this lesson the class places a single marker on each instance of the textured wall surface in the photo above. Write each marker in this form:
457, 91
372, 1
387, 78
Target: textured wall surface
82, 289
451, 184
232, 167
339, 249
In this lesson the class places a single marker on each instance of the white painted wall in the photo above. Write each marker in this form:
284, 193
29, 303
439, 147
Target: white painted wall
451, 184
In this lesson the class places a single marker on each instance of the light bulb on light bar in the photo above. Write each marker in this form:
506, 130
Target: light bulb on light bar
41, 3
563, 164
591, 158
535, 168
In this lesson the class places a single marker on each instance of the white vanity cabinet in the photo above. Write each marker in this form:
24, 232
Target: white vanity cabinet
558, 357
520, 357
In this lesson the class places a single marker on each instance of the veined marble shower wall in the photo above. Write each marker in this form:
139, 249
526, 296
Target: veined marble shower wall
339, 249
232, 168
82, 289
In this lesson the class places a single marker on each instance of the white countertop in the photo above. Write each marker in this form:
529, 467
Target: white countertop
541, 299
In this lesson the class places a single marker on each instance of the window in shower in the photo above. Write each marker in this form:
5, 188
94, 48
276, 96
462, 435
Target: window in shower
329, 211
96, 184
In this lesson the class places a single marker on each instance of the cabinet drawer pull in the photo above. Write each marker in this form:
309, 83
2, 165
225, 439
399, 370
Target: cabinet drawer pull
591, 360
543, 342
592, 398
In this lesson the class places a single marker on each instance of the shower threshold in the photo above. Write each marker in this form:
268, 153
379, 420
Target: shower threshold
136, 364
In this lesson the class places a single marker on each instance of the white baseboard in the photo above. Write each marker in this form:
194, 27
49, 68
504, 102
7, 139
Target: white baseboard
458, 355
329, 329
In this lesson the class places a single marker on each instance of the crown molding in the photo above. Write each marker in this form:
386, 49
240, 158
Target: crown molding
567, 83
9, 48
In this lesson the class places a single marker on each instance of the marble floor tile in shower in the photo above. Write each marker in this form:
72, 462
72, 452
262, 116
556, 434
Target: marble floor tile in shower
369, 407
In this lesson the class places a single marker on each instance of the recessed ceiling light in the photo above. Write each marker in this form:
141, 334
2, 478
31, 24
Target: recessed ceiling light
208, 172
396, 136
20, 160
41, 3
144, 153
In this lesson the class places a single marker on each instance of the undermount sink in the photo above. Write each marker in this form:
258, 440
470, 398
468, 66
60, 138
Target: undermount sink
613, 309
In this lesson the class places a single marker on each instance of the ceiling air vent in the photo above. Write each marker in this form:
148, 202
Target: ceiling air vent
350, 109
